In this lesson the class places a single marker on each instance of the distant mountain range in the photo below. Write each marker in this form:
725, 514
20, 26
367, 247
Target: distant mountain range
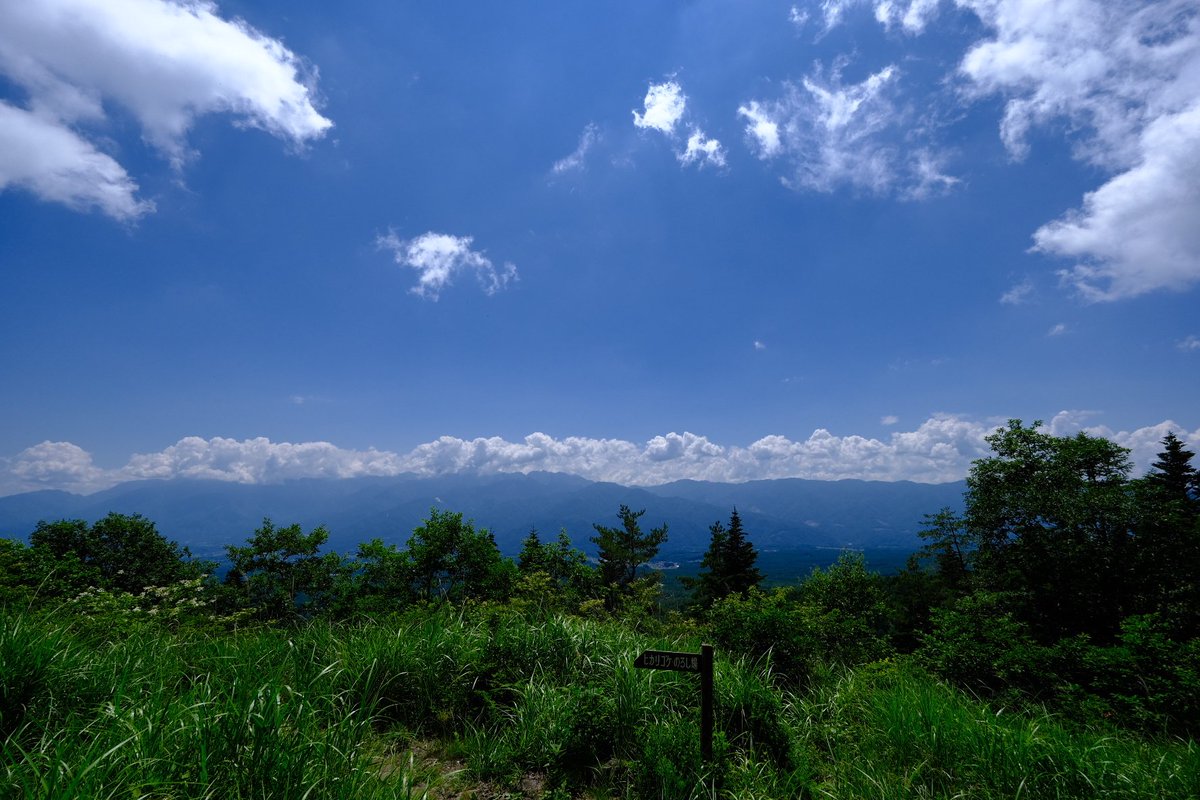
779, 514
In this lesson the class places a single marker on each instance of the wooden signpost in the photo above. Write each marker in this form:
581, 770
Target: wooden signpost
702, 663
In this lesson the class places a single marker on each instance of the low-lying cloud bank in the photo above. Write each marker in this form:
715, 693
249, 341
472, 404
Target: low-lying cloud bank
940, 449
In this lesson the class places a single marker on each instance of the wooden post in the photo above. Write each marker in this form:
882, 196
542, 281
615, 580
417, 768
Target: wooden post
701, 662
706, 701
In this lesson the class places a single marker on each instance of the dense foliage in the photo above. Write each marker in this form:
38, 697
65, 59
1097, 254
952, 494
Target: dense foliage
1064, 599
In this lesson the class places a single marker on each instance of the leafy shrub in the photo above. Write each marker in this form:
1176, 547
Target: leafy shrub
977, 643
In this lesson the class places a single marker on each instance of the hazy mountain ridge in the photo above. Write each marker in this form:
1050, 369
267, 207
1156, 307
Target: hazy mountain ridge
779, 514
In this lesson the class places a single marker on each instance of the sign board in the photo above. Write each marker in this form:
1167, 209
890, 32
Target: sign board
664, 659
700, 663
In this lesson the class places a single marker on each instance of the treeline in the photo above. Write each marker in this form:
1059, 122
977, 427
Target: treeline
280, 575
1066, 583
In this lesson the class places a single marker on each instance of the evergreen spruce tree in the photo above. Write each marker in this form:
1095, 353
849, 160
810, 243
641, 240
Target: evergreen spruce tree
533, 554
1173, 472
728, 566
1167, 538
740, 559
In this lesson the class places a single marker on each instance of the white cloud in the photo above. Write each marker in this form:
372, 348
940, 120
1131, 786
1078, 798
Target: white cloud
837, 135
1018, 294
940, 449
1189, 344
164, 62
52, 161
1139, 231
913, 15
928, 175
1125, 76
759, 345
575, 161
257, 461
438, 257
1122, 77
798, 16
890, 419
702, 150
664, 106
1057, 330
834, 11
1144, 443
53, 465
761, 129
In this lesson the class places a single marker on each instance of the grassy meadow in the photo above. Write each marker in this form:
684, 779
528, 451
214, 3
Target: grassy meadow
492, 702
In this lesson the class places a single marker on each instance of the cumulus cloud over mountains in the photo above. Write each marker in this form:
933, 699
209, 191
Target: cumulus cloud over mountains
940, 449
164, 62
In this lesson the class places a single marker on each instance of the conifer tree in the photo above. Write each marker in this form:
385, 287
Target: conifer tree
623, 549
1173, 472
728, 566
740, 559
1167, 538
533, 554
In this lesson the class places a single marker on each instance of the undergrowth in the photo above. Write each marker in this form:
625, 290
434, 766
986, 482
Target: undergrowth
492, 703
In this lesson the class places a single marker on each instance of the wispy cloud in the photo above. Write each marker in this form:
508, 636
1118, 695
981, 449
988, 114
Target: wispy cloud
890, 419
165, 63
832, 134
1123, 77
439, 257
1057, 330
912, 15
1019, 294
759, 345
1189, 344
939, 449
929, 177
576, 160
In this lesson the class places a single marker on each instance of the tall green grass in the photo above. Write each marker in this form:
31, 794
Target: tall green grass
890, 731
437, 703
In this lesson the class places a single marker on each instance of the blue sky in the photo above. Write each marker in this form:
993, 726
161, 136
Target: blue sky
637, 242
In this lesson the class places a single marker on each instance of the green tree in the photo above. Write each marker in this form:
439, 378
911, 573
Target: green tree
728, 566
381, 580
1050, 518
282, 572
623, 550
1174, 475
454, 561
846, 610
913, 593
121, 552
533, 557
566, 566
948, 544
1167, 561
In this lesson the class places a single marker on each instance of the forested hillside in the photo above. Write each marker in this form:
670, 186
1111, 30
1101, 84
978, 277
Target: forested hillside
784, 514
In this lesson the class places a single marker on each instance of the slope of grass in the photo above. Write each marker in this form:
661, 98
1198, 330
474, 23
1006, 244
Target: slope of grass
490, 703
